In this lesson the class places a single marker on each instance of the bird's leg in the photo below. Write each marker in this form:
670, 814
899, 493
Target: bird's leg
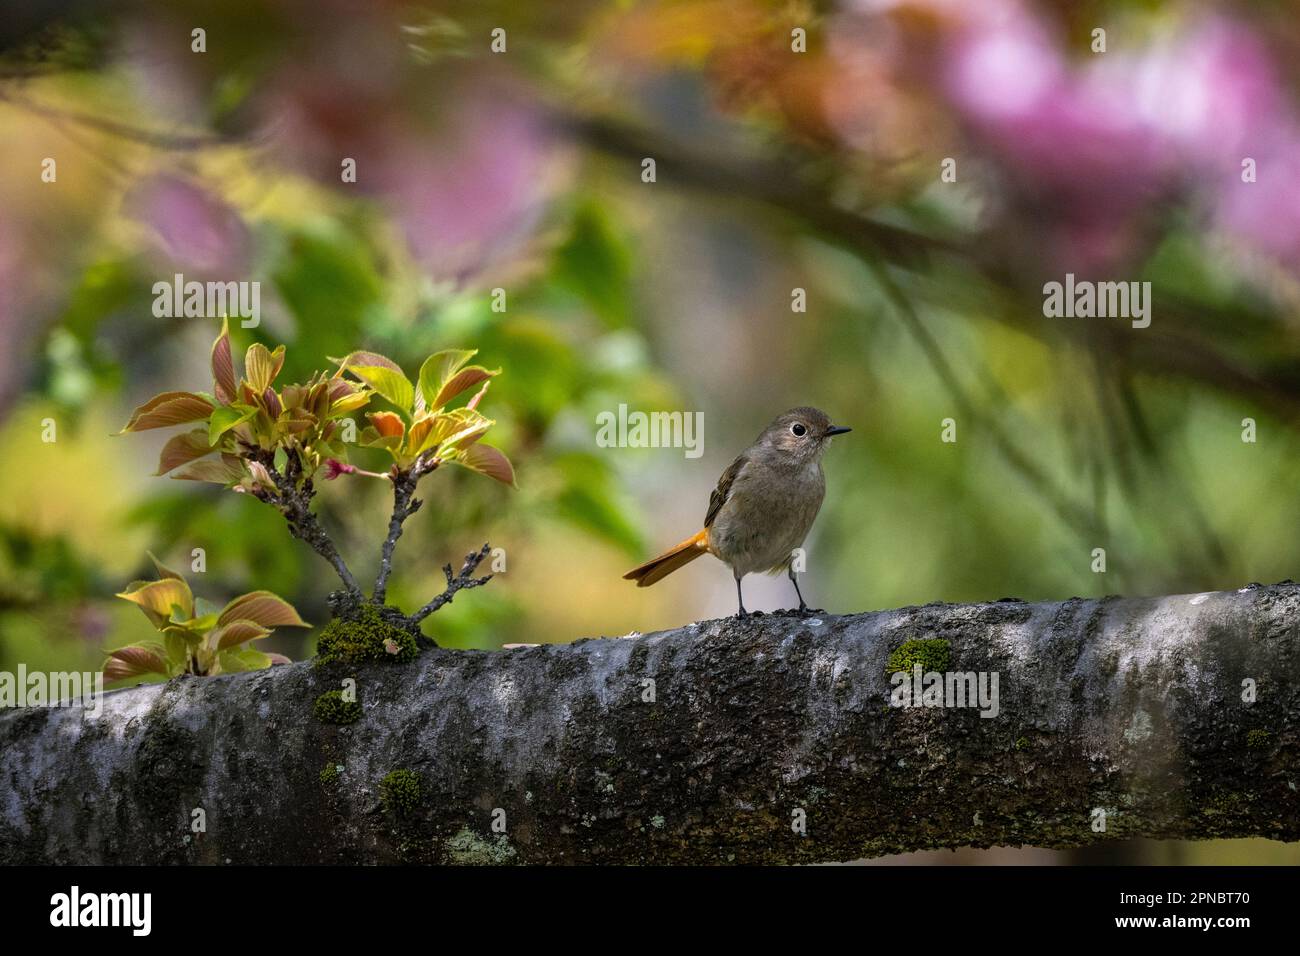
740, 599
803, 608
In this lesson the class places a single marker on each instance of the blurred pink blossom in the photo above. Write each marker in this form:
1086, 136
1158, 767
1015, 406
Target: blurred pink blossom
1091, 142
193, 229
469, 194
466, 185
1265, 213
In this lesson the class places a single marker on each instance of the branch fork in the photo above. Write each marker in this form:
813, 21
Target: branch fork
291, 493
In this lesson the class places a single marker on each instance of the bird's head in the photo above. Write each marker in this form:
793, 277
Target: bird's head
801, 433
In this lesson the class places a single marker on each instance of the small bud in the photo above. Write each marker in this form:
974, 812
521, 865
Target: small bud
334, 468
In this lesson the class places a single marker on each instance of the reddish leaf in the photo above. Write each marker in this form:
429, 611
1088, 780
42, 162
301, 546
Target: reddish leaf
261, 607
220, 471
387, 424
368, 360
487, 460
235, 633
182, 449
133, 662
465, 378
223, 367
169, 408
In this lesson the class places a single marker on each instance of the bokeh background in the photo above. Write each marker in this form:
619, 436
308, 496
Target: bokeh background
776, 170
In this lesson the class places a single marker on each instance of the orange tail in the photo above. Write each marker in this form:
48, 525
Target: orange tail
659, 568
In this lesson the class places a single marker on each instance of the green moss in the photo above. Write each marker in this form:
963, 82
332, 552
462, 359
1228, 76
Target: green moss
330, 773
331, 708
1257, 739
362, 638
932, 653
1022, 743
399, 792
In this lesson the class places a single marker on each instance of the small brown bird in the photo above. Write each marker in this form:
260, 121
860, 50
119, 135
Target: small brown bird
763, 507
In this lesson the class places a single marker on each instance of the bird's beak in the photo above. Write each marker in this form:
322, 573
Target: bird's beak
837, 430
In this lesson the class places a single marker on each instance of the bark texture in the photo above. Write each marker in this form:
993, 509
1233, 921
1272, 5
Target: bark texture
704, 744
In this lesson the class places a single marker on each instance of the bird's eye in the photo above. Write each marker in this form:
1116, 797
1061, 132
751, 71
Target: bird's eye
798, 430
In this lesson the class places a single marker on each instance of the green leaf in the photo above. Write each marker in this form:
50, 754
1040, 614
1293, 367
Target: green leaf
443, 377
203, 607
200, 625
238, 660
449, 431
390, 383
176, 649
225, 418
187, 636
261, 366
346, 397
158, 598
437, 369
370, 438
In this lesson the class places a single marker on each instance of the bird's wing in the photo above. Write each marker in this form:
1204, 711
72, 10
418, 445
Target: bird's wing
723, 491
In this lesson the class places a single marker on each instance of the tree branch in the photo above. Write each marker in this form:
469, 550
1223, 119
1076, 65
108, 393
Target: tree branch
704, 744
1171, 348
292, 498
405, 504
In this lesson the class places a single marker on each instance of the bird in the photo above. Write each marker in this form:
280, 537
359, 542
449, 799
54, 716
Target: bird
764, 505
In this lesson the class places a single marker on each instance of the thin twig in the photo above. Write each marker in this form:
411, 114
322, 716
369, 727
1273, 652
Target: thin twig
459, 582
156, 139
405, 504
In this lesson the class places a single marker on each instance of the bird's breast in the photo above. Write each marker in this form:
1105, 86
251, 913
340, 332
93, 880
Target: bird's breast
766, 516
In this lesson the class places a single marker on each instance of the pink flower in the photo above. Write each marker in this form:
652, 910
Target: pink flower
334, 468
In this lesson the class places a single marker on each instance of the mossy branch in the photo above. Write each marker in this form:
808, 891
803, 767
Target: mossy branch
771, 739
